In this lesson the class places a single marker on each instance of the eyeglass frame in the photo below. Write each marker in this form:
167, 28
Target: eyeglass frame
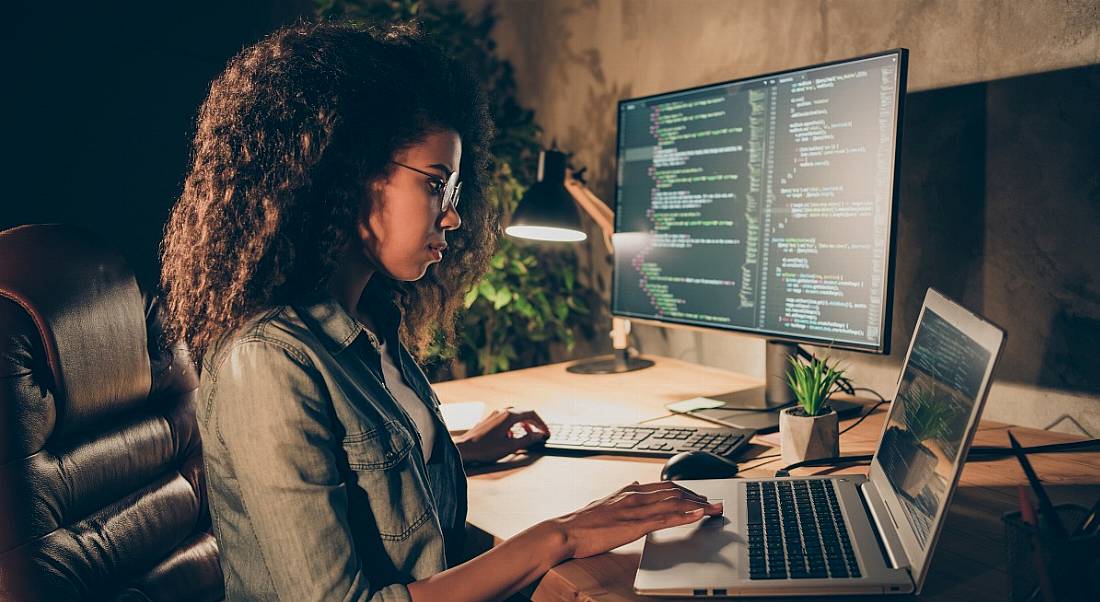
450, 191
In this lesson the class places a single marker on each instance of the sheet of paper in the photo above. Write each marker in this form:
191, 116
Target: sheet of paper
461, 417
693, 404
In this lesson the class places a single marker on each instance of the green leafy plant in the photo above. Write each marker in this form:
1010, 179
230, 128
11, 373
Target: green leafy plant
927, 415
813, 382
529, 303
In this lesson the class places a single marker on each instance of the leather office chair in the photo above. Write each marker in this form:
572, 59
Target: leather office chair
101, 484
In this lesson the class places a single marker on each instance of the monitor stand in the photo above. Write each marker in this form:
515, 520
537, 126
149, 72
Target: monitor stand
758, 408
620, 361
775, 394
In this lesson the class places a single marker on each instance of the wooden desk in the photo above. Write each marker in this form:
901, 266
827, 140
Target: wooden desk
968, 563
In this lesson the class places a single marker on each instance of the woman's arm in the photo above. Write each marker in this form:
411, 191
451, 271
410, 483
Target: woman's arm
290, 524
603, 525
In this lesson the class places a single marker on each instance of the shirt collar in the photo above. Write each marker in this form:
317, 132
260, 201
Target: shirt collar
340, 329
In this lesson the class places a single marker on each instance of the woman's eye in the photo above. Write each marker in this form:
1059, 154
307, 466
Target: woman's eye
436, 186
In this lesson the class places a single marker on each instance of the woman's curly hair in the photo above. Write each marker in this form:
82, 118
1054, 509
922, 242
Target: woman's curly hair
287, 141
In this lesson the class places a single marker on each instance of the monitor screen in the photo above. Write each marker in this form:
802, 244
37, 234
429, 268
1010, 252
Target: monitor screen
928, 420
763, 205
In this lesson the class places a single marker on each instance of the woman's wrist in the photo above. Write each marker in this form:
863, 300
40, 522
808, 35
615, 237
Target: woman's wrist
467, 450
559, 544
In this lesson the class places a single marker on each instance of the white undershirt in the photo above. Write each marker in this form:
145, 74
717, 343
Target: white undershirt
408, 399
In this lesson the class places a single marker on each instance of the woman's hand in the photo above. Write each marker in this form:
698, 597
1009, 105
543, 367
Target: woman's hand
600, 526
630, 513
501, 433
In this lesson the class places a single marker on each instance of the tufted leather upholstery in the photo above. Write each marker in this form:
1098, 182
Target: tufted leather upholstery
101, 483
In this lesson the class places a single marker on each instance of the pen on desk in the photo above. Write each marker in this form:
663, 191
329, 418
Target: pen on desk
1027, 515
1090, 523
1046, 508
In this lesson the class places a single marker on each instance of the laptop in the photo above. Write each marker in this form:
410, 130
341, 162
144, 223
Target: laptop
846, 534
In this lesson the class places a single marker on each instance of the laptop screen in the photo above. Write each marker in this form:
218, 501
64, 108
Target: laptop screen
927, 425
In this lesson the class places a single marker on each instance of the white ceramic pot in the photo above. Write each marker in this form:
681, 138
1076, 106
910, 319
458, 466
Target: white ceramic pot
808, 437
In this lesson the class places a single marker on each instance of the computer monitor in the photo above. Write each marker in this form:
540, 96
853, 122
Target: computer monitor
765, 205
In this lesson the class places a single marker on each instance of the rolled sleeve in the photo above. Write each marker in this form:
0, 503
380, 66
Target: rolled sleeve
275, 420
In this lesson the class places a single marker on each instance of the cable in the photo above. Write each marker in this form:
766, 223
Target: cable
881, 400
767, 460
979, 451
655, 418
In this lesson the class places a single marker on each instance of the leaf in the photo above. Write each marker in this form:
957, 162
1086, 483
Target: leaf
486, 289
471, 296
561, 308
523, 307
503, 297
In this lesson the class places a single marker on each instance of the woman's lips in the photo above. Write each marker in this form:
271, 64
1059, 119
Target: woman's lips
437, 249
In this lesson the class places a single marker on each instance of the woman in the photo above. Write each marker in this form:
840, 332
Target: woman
319, 237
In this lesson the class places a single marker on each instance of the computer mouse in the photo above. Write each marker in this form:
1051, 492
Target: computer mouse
695, 465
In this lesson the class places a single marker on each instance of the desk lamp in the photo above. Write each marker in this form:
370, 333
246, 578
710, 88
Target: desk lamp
548, 212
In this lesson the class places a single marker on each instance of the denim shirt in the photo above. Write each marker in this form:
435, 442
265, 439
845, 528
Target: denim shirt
317, 483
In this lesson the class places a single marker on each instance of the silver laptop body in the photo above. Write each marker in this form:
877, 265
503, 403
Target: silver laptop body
893, 515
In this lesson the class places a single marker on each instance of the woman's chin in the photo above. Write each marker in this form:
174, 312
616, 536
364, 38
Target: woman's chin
415, 274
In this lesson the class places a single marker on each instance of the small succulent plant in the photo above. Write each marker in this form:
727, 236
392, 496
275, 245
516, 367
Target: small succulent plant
813, 381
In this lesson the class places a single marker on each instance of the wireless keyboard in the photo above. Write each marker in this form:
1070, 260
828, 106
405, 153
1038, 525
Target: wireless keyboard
651, 441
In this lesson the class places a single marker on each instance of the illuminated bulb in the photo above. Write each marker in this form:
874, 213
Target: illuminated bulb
545, 233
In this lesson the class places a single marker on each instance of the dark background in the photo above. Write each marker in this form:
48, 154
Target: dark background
103, 98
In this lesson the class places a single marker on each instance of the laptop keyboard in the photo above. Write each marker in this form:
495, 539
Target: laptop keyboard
797, 531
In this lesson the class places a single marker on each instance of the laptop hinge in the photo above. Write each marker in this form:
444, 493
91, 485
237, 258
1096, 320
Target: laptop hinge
885, 528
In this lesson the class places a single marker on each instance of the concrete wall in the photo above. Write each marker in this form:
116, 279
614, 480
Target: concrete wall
1000, 193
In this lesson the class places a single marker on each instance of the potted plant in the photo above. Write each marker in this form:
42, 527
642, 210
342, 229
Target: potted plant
929, 418
809, 430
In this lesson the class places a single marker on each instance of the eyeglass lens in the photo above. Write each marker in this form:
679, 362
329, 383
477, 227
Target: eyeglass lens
451, 188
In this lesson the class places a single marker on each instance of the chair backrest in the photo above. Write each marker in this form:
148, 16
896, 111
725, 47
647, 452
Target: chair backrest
101, 482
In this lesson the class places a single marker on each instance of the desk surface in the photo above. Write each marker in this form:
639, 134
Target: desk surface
968, 563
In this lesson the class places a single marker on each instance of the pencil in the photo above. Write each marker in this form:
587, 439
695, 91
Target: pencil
1045, 507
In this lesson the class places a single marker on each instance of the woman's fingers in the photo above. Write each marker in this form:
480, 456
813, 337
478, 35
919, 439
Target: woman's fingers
674, 519
660, 508
528, 419
640, 498
491, 422
660, 485
528, 440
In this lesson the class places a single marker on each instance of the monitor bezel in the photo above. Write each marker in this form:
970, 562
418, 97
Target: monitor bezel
992, 338
886, 325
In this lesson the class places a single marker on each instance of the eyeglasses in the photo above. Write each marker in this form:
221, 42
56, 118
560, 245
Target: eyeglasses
446, 190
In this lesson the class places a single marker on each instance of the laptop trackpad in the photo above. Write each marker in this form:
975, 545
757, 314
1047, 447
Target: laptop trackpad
705, 552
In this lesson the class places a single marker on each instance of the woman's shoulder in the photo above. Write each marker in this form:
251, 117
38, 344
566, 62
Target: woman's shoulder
278, 330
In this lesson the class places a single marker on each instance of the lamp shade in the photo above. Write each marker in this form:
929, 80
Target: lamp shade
547, 211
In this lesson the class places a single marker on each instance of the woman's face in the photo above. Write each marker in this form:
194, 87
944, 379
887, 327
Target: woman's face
402, 226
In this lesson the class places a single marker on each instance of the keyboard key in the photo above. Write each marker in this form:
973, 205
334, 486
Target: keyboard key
796, 530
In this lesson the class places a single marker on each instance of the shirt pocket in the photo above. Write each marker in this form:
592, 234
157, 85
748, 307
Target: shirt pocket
384, 468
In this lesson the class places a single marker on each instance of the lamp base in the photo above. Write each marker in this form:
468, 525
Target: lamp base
609, 365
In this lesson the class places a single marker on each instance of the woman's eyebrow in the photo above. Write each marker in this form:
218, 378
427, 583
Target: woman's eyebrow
446, 169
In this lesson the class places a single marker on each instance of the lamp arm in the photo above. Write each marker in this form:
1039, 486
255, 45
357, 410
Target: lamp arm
593, 207
604, 218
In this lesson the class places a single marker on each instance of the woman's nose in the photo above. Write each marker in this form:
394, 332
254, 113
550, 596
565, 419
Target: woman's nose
450, 220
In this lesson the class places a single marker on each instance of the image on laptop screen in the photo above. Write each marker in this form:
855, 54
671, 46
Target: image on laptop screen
928, 421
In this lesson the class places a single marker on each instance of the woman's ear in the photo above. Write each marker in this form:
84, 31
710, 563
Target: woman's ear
369, 204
